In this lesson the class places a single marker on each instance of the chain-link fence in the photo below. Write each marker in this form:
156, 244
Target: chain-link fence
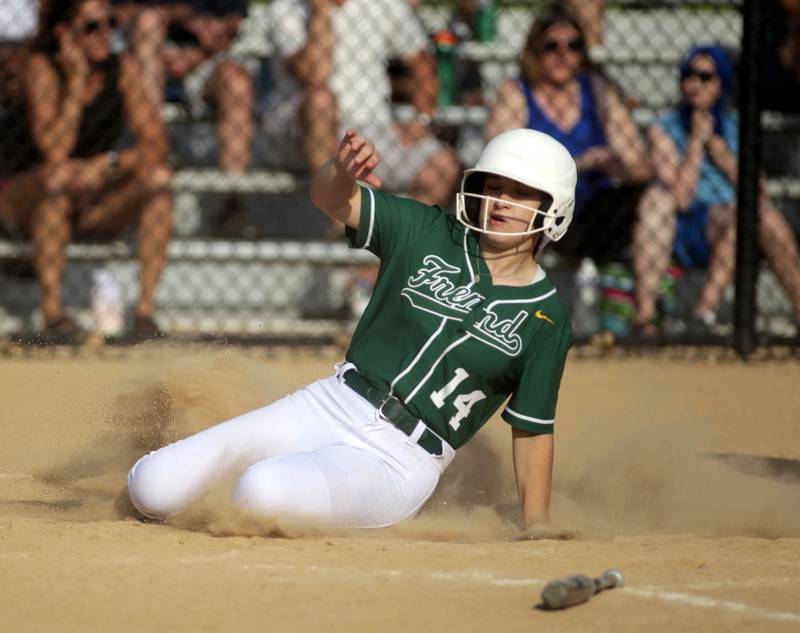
155, 156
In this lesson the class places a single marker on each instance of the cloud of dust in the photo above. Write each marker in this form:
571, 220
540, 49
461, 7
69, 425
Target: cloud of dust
655, 480
650, 480
162, 400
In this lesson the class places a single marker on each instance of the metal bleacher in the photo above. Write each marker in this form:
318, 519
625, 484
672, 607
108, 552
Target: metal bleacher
259, 287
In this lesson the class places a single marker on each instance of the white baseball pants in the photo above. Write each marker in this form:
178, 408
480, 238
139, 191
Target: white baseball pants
320, 456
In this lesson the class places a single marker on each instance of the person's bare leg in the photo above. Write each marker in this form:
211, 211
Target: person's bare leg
50, 230
231, 87
722, 237
319, 120
147, 195
155, 230
436, 182
147, 36
778, 242
653, 239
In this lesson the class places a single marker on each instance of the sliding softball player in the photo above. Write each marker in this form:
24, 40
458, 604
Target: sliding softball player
461, 318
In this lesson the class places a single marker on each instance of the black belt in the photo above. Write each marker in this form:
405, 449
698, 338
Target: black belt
393, 411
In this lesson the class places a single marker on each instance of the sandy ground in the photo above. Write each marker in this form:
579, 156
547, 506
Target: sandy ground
685, 475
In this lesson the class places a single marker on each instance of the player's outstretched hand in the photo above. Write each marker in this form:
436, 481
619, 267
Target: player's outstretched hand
357, 157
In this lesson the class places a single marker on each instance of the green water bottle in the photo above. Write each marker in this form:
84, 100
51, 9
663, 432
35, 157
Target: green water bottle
485, 24
445, 42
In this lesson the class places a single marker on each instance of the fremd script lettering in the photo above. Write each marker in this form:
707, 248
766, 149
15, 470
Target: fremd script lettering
432, 281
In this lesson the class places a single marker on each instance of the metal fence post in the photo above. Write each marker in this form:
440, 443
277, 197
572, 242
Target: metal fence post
748, 185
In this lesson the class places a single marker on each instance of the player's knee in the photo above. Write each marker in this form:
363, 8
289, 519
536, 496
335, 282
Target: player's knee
151, 489
259, 493
273, 489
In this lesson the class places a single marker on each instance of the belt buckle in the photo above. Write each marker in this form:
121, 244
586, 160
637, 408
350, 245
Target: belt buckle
383, 402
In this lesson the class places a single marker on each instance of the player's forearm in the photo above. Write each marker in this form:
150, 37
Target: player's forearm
533, 465
334, 192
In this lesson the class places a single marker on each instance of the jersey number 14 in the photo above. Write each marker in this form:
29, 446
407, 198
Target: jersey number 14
463, 402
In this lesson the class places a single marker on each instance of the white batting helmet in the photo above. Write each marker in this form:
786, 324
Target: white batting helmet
533, 159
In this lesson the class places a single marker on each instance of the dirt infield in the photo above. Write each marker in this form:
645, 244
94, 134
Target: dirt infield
685, 475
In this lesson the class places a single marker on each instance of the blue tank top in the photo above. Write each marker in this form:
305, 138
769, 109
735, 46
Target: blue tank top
588, 132
713, 186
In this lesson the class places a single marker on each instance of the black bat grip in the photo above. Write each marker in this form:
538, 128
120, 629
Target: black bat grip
565, 592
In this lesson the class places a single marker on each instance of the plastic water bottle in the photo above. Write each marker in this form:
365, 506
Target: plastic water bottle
445, 67
585, 311
485, 24
107, 303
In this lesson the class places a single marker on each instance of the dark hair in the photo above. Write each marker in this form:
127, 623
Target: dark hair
553, 14
52, 14
727, 75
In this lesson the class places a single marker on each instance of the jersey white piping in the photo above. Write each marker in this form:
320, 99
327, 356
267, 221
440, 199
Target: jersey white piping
371, 216
528, 418
531, 300
466, 257
419, 354
433, 367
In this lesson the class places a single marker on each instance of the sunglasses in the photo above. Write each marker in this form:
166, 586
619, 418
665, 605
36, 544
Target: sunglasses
95, 26
551, 46
703, 75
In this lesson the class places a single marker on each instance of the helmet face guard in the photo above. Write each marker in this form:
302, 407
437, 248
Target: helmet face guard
472, 210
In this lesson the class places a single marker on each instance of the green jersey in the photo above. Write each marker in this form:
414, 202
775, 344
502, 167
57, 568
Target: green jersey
441, 337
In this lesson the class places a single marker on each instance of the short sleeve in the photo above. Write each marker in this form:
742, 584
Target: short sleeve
532, 406
288, 23
388, 221
406, 33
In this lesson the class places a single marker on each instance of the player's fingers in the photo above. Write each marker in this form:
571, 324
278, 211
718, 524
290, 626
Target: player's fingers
344, 144
373, 180
364, 154
356, 142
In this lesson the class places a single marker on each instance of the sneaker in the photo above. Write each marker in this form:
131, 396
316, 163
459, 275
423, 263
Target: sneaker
232, 222
145, 329
62, 331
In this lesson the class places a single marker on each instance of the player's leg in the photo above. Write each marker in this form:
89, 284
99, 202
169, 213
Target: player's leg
377, 477
170, 479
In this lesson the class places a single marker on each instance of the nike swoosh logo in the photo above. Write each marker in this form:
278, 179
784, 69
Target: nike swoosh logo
541, 315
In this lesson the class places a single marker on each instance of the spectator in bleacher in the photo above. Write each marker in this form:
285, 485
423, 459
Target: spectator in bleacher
559, 92
75, 179
18, 19
781, 56
190, 41
689, 212
329, 72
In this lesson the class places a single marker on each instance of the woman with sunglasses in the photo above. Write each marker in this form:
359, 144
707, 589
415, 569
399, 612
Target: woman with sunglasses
688, 213
70, 178
559, 93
